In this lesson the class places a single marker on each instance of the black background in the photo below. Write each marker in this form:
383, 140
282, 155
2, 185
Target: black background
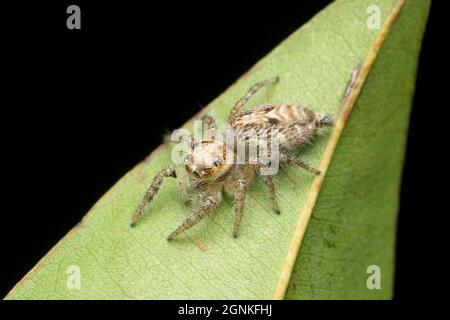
81, 107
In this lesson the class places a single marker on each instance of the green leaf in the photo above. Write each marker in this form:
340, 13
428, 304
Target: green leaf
354, 221
332, 227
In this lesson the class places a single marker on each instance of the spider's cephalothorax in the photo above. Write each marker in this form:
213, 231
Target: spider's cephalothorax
210, 171
207, 160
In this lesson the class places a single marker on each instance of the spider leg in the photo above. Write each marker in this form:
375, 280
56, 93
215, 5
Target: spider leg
241, 189
210, 202
351, 83
188, 139
152, 190
254, 89
183, 185
212, 127
289, 159
267, 179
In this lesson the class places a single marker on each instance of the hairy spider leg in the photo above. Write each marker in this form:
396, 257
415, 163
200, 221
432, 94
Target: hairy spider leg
289, 159
252, 91
241, 189
268, 181
152, 190
212, 127
203, 210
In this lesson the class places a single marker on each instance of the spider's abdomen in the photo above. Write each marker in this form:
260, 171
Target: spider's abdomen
293, 126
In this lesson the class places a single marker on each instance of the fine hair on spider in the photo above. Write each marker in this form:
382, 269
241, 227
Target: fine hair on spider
213, 167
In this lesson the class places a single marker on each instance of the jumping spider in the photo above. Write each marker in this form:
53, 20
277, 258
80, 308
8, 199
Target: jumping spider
212, 175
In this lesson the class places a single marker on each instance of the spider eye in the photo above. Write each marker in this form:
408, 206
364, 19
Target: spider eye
188, 159
217, 161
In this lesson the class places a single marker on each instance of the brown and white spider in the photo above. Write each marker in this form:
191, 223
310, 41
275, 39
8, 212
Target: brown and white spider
208, 166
